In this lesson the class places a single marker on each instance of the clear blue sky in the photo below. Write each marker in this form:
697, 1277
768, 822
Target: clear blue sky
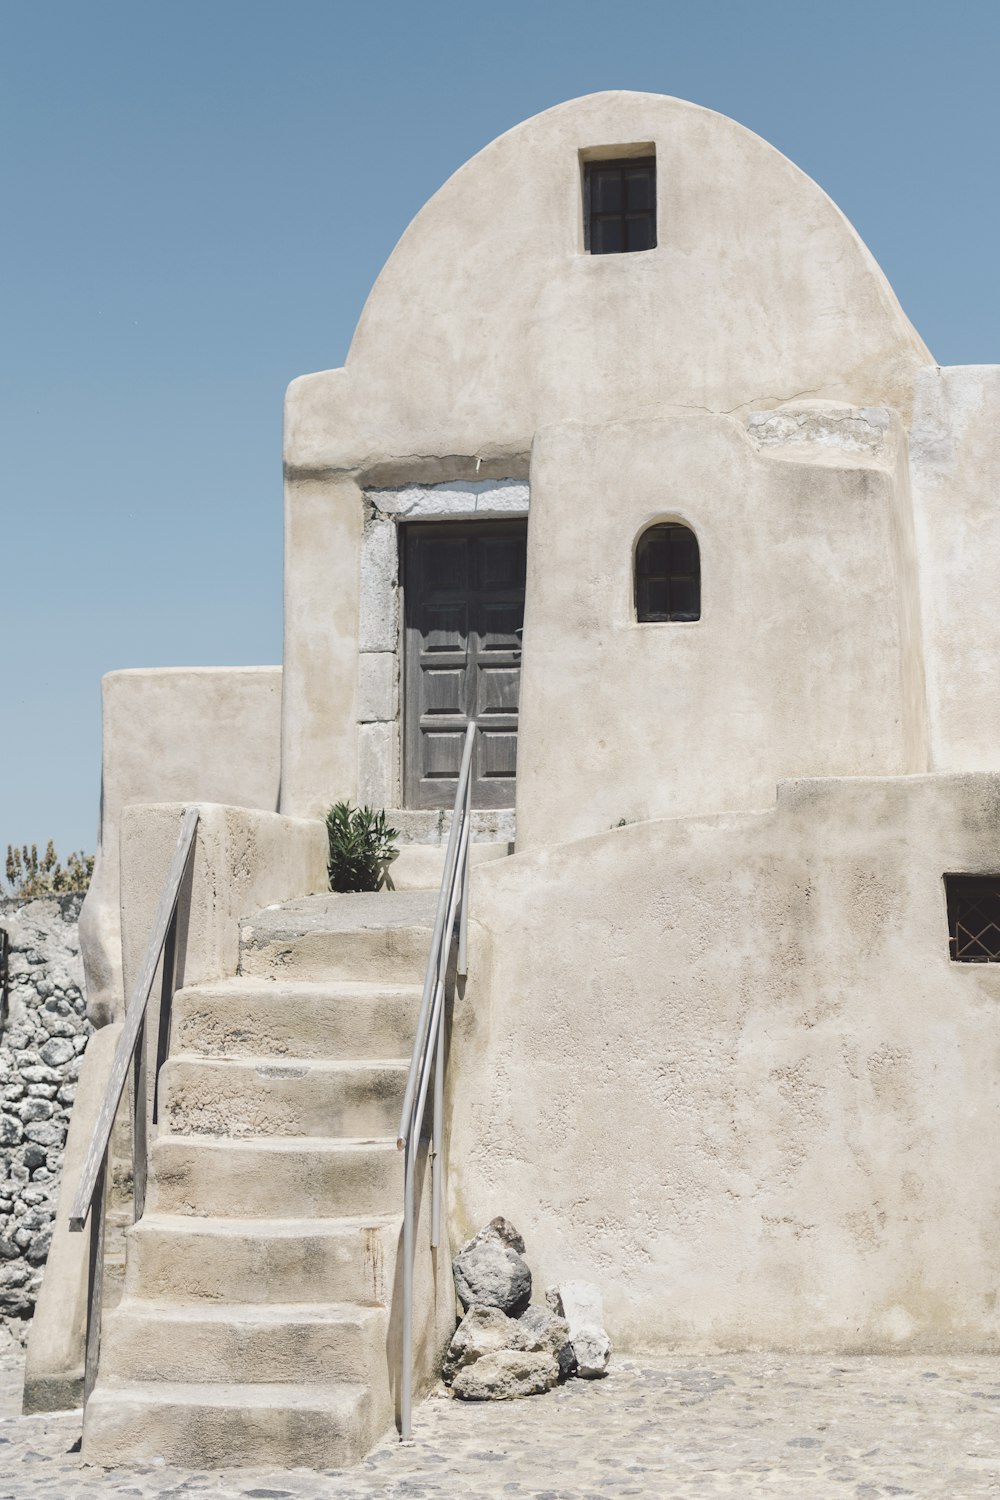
198, 194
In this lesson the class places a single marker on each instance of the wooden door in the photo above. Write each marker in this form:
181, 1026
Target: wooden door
463, 597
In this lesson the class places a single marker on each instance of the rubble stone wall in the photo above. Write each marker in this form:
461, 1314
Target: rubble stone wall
43, 1033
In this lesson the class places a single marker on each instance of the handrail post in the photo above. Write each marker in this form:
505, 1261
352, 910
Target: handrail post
438, 1119
91, 1197
406, 1374
140, 1147
166, 1004
463, 925
95, 1278
429, 1054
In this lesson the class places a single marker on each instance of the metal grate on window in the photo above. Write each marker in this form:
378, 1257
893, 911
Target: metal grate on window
973, 918
620, 205
667, 574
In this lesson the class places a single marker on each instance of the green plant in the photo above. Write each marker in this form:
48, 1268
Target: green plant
30, 876
361, 847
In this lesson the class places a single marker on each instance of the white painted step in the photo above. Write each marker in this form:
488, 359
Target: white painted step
174, 1257
242, 1343
377, 938
248, 1017
223, 1426
280, 1096
287, 1177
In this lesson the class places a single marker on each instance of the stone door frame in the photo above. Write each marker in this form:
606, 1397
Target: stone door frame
380, 633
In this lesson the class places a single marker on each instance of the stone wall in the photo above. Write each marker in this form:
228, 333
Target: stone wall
43, 1033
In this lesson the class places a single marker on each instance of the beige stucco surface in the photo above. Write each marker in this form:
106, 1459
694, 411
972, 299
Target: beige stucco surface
725, 1068
489, 320
323, 523
801, 663
489, 323
243, 860
173, 734
955, 461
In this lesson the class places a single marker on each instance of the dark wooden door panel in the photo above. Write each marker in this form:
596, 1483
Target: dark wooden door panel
463, 606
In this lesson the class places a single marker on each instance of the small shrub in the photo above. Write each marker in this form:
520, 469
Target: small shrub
30, 877
361, 847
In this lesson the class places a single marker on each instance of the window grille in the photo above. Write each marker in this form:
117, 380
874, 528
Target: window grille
667, 574
619, 205
973, 918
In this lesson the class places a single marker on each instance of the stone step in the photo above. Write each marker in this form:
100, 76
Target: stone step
295, 1176
378, 938
228, 1426
278, 1096
248, 1017
175, 1257
420, 867
206, 1342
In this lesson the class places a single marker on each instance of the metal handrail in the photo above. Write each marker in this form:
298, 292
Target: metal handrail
130, 1053
428, 1057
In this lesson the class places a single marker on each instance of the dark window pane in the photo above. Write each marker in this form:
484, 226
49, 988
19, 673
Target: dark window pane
683, 550
639, 190
973, 918
620, 198
653, 552
656, 604
606, 192
667, 574
607, 236
641, 233
683, 599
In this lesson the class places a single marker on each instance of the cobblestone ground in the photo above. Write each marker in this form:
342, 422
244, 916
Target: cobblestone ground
752, 1426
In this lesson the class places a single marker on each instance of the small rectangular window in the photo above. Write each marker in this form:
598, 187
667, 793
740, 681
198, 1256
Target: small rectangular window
973, 918
619, 205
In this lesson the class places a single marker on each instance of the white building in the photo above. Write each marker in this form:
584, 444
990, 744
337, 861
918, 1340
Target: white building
632, 383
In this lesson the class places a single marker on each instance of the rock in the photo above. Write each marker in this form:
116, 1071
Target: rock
490, 1272
43, 1030
583, 1309
592, 1349
37, 1251
35, 1109
483, 1330
554, 1301
550, 1333
57, 1052
505, 1375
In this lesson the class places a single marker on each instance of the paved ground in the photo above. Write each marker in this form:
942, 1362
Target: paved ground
680, 1429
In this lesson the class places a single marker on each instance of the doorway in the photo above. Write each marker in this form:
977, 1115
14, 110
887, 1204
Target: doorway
463, 609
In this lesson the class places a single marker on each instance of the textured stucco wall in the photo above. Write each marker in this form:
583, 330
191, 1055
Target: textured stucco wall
177, 734
725, 1068
489, 320
475, 338
800, 663
955, 460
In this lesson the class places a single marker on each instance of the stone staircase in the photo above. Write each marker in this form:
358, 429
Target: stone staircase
255, 1323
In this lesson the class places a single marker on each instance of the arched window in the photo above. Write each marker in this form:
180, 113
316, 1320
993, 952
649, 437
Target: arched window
667, 574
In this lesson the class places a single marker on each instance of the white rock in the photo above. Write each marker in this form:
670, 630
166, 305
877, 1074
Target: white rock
583, 1308
505, 1375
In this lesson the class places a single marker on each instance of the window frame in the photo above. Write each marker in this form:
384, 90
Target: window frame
666, 523
621, 159
963, 894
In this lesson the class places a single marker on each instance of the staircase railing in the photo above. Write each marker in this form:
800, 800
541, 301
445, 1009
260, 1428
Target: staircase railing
130, 1055
428, 1060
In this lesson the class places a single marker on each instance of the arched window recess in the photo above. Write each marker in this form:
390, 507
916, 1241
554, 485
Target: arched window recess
667, 574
